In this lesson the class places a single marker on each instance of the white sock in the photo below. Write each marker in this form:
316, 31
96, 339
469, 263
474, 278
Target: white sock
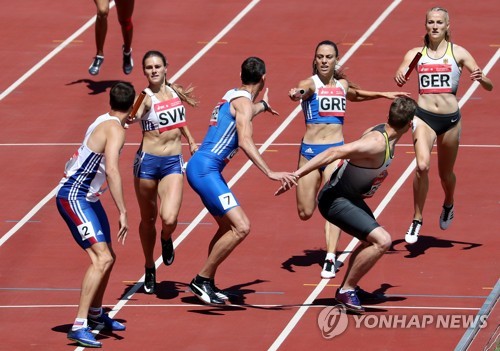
330, 256
79, 324
346, 290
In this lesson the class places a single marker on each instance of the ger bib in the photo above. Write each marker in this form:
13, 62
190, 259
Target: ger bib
435, 78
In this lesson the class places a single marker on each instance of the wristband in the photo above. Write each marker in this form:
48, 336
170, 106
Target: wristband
266, 105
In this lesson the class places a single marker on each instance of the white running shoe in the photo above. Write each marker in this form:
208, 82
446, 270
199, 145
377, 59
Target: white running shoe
446, 217
411, 236
328, 271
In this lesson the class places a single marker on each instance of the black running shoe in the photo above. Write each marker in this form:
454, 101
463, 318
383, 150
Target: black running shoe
95, 66
167, 251
205, 292
221, 294
150, 281
128, 63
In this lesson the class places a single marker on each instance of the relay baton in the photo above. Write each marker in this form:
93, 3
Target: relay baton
137, 104
412, 66
299, 93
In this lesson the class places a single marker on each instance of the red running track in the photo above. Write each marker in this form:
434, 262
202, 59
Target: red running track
275, 272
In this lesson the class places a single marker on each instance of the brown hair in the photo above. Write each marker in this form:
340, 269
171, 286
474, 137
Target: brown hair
186, 94
338, 72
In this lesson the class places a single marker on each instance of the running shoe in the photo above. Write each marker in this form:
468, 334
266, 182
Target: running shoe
105, 322
167, 251
328, 271
350, 300
128, 62
84, 337
150, 281
365, 296
446, 217
411, 236
205, 292
221, 294
95, 66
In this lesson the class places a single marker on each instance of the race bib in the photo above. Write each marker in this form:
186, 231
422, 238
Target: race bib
376, 184
227, 201
171, 114
215, 113
435, 78
331, 102
86, 231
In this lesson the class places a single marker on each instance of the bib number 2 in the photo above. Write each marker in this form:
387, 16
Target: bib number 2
86, 231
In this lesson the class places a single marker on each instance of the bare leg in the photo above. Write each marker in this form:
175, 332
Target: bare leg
365, 257
101, 25
234, 226
147, 192
424, 138
447, 146
96, 278
125, 9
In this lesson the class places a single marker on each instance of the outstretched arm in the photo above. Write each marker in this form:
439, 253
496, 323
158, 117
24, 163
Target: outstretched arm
244, 114
263, 105
361, 152
356, 95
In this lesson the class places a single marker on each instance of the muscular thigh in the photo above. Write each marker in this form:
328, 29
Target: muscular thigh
447, 147
86, 220
124, 8
170, 193
307, 188
423, 140
353, 216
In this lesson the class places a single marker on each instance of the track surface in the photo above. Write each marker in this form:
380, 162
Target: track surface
47, 104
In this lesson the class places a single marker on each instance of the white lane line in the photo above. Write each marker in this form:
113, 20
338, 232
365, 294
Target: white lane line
49, 56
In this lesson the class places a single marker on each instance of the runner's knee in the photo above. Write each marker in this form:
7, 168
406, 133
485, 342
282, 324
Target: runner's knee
126, 23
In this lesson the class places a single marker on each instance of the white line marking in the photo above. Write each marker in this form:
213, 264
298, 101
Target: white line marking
53, 53
28, 216
190, 305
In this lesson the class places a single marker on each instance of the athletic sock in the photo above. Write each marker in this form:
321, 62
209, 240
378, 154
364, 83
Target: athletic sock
95, 312
330, 256
79, 324
200, 279
342, 291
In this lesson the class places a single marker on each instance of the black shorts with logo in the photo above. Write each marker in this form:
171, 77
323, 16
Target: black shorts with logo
350, 214
440, 123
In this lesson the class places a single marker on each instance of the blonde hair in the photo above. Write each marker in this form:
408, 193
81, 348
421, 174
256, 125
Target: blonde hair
447, 35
